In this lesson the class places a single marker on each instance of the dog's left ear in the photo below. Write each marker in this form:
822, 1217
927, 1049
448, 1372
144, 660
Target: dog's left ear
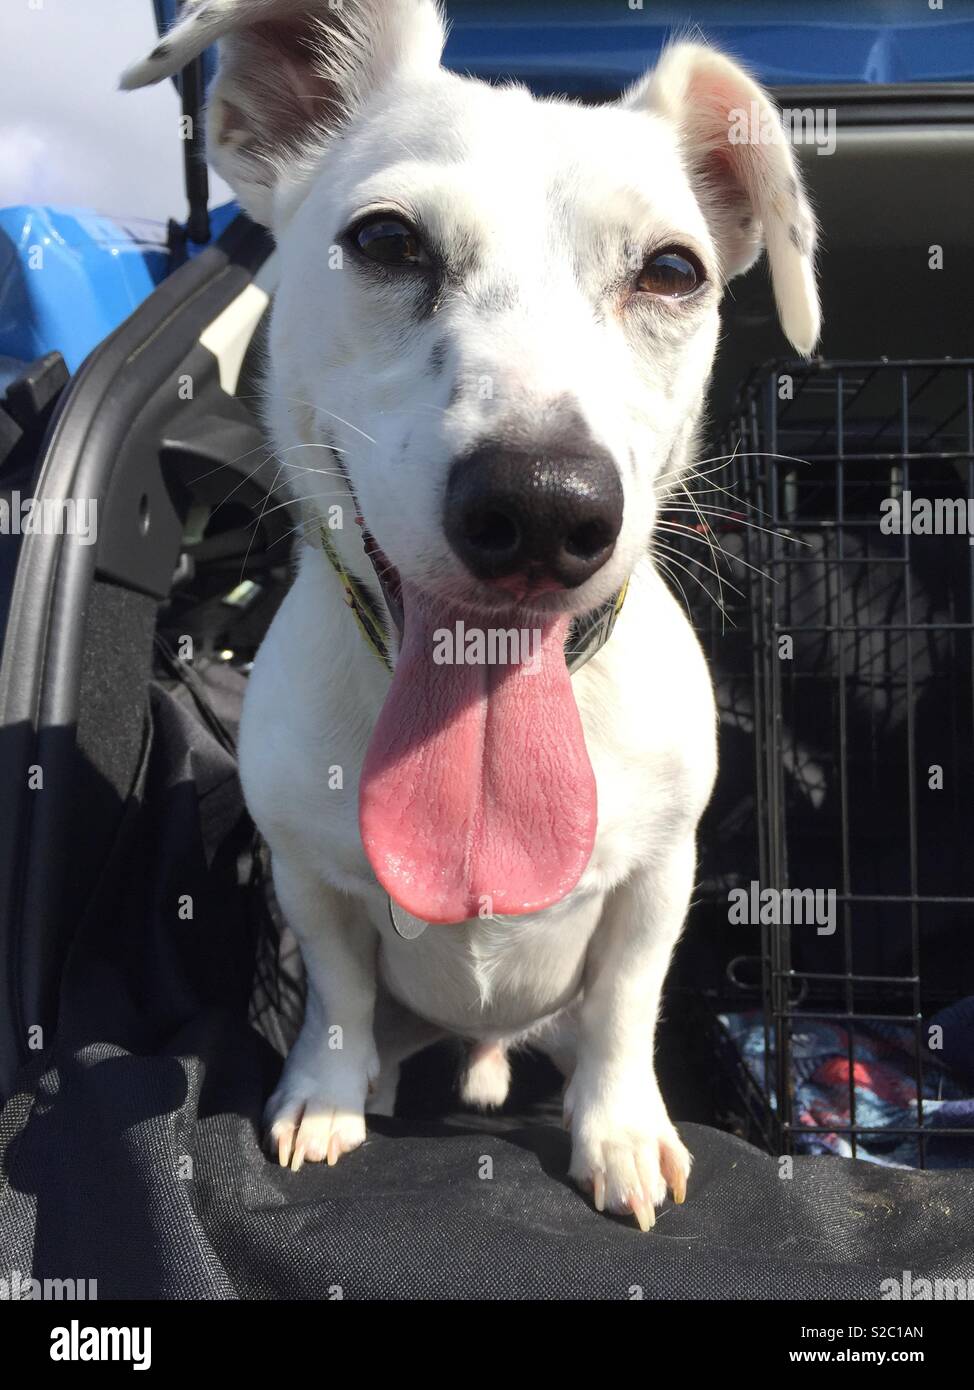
292, 73
744, 174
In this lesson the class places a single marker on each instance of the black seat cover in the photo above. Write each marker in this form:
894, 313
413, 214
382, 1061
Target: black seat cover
130, 1148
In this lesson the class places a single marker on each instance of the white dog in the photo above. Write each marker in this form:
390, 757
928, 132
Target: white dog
494, 327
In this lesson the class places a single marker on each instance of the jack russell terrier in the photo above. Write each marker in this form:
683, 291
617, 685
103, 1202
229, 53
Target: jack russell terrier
490, 343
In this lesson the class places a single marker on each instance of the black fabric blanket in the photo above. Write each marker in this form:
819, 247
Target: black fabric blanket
130, 1151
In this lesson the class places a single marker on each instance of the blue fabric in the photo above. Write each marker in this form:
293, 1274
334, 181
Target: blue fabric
599, 46
68, 277
595, 46
884, 1075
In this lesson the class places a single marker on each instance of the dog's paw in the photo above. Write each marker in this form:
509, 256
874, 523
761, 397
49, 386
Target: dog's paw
487, 1078
628, 1161
302, 1125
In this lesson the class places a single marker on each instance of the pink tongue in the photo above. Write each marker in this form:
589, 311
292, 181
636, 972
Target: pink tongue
477, 794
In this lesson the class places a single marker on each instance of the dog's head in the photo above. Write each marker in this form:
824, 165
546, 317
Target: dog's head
501, 312
496, 317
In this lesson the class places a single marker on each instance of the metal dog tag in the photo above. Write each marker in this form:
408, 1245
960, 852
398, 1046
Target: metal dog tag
408, 926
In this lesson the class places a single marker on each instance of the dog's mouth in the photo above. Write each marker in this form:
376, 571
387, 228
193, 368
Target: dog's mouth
510, 603
387, 578
477, 797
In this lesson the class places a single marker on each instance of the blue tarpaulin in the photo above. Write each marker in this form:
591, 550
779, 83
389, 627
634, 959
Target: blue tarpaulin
601, 45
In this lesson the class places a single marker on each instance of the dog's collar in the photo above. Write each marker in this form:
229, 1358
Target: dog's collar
587, 635
364, 608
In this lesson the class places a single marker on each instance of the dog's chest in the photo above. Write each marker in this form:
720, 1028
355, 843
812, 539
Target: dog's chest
492, 977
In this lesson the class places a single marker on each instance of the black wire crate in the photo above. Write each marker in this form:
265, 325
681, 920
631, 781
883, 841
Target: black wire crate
832, 545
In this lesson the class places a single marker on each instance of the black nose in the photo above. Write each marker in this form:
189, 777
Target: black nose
548, 518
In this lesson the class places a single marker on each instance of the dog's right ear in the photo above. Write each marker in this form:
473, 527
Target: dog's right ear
291, 73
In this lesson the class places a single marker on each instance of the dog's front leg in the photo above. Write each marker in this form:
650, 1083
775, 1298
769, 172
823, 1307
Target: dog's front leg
318, 1109
625, 1151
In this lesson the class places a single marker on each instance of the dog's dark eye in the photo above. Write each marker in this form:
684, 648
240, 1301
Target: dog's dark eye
390, 242
671, 274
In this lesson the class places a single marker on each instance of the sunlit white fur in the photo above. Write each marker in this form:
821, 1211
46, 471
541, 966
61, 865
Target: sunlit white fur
547, 199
